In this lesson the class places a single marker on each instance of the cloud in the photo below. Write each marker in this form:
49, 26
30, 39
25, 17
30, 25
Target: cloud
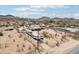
21, 9
49, 6
32, 14
28, 9
37, 10
76, 14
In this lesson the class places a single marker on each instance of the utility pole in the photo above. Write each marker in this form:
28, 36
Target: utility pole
38, 38
38, 42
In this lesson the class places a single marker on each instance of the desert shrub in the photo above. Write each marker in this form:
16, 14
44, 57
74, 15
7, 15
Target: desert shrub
76, 36
8, 29
1, 34
70, 35
29, 48
22, 49
46, 42
9, 36
63, 38
18, 31
18, 50
13, 40
46, 34
57, 44
0, 45
6, 45
20, 35
25, 38
55, 35
23, 45
17, 45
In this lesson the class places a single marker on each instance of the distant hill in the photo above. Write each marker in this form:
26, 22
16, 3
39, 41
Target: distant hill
57, 18
44, 18
11, 17
7, 16
4, 17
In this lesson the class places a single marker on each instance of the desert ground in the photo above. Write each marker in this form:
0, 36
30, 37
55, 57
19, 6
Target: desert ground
16, 41
18, 35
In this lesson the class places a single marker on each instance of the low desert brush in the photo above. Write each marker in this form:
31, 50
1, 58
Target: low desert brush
1, 34
47, 35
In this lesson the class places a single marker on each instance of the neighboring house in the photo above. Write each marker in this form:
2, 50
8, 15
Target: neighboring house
72, 29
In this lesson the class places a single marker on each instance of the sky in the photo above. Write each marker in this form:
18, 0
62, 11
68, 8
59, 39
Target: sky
37, 11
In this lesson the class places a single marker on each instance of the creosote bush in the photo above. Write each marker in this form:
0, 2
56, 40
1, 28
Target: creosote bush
57, 44
1, 34
46, 42
0, 45
47, 35
17, 45
23, 45
22, 49
6, 45
76, 36
9, 36
20, 35
18, 31
25, 38
18, 50
13, 40
29, 48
